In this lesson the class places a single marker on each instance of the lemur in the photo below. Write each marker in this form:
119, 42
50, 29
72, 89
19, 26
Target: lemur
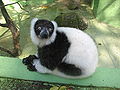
63, 51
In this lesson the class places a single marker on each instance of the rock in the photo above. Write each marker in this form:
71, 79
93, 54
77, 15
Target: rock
71, 19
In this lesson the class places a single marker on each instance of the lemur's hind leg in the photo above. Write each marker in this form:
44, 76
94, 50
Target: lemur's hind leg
28, 61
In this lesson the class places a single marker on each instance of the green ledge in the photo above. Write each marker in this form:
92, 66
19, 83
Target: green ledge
103, 77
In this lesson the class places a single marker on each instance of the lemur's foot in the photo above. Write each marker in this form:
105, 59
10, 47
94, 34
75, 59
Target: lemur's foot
28, 61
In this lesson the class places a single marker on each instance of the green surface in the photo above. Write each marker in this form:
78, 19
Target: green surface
104, 77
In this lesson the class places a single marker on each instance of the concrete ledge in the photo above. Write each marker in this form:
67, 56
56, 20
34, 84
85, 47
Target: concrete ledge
104, 77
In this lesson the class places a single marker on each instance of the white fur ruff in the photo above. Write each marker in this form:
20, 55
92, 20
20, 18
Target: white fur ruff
37, 40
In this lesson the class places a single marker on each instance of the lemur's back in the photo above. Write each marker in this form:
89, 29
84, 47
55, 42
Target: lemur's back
83, 51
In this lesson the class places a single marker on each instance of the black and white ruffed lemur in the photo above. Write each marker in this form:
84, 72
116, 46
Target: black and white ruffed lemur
63, 51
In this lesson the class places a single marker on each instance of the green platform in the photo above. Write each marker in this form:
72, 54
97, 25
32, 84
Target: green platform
104, 77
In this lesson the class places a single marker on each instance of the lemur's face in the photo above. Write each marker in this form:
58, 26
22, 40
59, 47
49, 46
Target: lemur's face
43, 29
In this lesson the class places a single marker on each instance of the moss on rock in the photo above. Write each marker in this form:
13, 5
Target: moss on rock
71, 19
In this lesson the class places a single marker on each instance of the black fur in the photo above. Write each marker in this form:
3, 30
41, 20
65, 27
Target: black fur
51, 55
69, 69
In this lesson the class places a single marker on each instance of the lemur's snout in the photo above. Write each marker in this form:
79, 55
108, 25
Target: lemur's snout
44, 34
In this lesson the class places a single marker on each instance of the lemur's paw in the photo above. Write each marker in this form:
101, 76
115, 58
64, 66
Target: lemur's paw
29, 60
31, 67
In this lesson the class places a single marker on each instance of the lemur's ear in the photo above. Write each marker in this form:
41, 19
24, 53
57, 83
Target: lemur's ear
33, 21
55, 25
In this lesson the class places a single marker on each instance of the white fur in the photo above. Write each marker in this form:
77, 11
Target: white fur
82, 52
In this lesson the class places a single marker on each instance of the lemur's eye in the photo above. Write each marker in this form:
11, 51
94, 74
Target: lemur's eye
39, 28
50, 29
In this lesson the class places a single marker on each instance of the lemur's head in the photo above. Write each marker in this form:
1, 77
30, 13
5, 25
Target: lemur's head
42, 30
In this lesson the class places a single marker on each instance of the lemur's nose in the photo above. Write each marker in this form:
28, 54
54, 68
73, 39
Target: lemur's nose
44, 34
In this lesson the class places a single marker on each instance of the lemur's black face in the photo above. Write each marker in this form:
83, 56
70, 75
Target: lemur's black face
43, 29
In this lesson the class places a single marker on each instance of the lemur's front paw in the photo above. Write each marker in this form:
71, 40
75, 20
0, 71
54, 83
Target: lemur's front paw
29, 60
